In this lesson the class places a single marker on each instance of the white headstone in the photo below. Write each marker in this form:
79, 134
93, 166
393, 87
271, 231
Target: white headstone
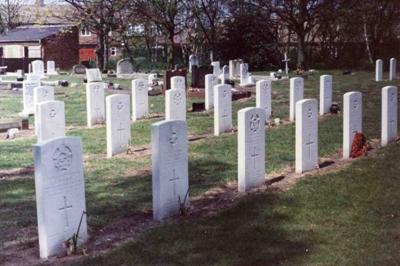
379, 70
389, 115
264, 98
33, 77
41, 94
175, 104
27, 94
50, 120
325, 94
306, 135
244, 73
222, 109
296, 94
51, 68
38, 67
95, 107
124, 67
225, 74
193, 61
234, 68
140, 99
352, 120
216, 67
393, 69
210, 81
251, 148
169, 168
178, 82
93, 75
118, 123
152, 79
60, 194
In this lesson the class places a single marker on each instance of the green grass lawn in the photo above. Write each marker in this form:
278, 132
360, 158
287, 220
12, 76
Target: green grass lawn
121, 186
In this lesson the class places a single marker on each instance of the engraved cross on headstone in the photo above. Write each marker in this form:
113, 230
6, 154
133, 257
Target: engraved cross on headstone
254, 155
309, 143
392, 126
120, 129
173, 179
65, 210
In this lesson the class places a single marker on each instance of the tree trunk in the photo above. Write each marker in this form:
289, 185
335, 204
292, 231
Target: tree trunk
170, 49
100, 51
300, 53
371, 61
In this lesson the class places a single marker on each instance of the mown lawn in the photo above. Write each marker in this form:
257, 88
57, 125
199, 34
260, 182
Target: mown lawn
121, 186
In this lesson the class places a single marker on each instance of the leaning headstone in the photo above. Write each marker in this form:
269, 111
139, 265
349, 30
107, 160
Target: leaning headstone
389, 115
306, 135
60, 194
216, 68
170, 171
393, 69
51, 68
175, 104
263, 97
118, 123
325, 94
41, 94
93, 75
352, 120
222, 109
27, 93
124, 67
378, 70
50, 120
251, 148
38, 67
95, 107
211, 80
296, 94
140, 99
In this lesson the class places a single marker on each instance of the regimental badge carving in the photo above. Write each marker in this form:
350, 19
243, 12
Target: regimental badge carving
120, 105
62, 158
52, 112
141, 85
393, 97
355, 104
224, 93
173, 138
309, 112
178, 98
255, 122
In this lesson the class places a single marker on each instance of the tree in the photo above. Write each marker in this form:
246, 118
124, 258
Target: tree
10, 14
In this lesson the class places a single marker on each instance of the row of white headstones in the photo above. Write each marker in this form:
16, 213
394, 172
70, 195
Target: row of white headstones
379, 69
59, 181
38, 68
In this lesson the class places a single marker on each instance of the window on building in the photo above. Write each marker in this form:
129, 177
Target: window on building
85, 31
113, 51
13, 51
34, 52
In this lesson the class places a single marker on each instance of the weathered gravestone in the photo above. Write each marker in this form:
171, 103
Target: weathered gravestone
95, 107
234, 68
93, 75
118, 123
393, 69
352, 120
41, 94
251, 148
211, 80
263, 97
198, 75
222, 109
170, 174
306, 135
51, 68
38, 67
216, 68
60, 194
378, 70
79, 69
296, 94
169, 74
325, 94
175, 104
50, 120
27, 94
140, 99
389, 115
124, 67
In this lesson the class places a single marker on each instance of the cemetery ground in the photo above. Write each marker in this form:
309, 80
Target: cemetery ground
349, 216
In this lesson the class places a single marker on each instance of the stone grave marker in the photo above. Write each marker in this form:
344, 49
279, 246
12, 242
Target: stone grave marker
325, 94
51, 68
222, 109
216, 67
118, 123
389, 115
211, 80
79, 69
234, 68
393, 69
93, 75
60, 194
33, 77
178, 82
251, 148
41, 94
379, 70
225, 74
175, 104
306, 135
27, 94
50, 120
198, 75
169, 74
38, 67
193, 61
95, 107
352, 120
264, 98
170, 173
140, 99
124, 67
296, 94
